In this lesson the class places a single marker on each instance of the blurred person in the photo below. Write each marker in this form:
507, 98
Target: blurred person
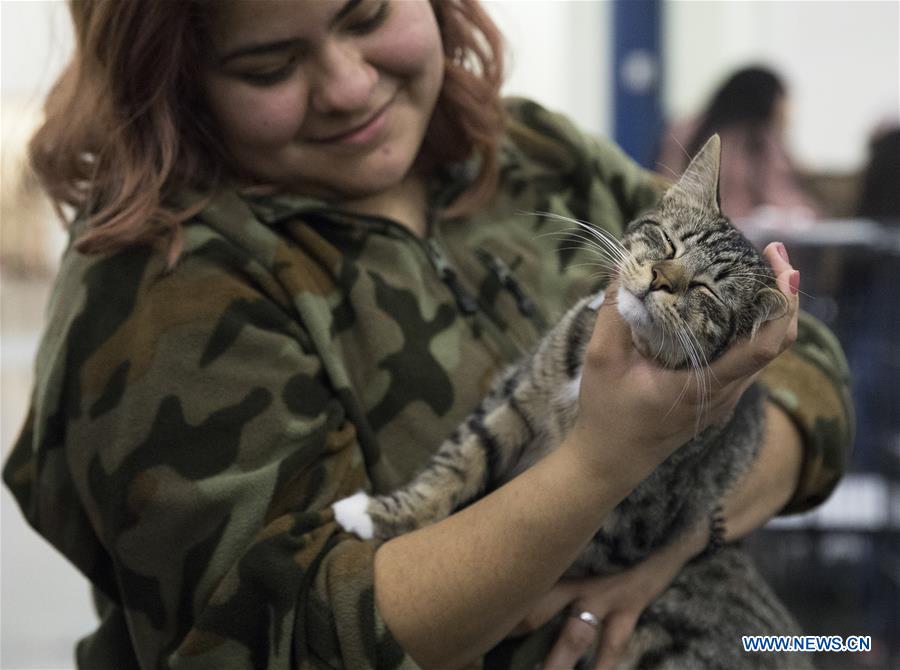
870, 316
750, 113
276, 295
879, 198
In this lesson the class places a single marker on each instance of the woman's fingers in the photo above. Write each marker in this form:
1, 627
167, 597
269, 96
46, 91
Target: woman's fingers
777, 256
748, 357
576, 639
614, 638
546, 608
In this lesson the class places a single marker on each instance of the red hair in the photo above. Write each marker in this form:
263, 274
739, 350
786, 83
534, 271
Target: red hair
125, 128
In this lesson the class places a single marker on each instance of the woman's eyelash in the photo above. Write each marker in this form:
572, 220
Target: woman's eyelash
372, 22
270, 76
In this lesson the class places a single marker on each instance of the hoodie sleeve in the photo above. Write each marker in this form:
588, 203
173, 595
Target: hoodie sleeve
811, 382
182, 449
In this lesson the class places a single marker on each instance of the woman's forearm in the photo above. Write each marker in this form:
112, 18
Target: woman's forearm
450, 591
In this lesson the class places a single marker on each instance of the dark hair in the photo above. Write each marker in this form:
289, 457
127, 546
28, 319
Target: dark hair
747, 98
880, 195
125, 128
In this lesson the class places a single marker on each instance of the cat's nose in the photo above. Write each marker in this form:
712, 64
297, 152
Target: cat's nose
662, 279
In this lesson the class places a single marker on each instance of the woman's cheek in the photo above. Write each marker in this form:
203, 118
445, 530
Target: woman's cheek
266, 117
409, 46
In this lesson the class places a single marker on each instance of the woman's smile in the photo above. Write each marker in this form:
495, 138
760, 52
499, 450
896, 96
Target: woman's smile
372, 129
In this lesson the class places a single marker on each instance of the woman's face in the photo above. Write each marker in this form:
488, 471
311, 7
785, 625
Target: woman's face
326, 97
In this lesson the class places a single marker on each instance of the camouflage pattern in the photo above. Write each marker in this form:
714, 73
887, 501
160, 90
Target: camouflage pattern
190, 428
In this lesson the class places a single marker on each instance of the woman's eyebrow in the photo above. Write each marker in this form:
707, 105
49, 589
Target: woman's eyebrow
261, 48
281, 45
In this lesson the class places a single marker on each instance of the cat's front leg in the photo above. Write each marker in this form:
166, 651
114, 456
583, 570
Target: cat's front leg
525, 415
467, 465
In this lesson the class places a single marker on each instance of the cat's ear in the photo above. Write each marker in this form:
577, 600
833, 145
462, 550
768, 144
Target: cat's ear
770, 304
699, 185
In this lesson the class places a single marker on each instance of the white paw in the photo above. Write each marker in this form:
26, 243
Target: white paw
569, 392
597, 301
352, 515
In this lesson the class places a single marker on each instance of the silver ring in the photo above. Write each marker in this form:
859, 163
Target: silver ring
588, 617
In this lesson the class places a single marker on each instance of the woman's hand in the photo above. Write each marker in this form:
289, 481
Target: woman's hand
616, 601
632, 402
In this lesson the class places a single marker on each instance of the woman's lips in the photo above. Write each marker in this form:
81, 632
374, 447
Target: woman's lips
368, 131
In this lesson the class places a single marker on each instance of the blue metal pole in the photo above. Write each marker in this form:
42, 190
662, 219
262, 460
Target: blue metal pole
637, 78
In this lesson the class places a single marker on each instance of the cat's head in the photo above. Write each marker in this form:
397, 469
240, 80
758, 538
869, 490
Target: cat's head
692, 283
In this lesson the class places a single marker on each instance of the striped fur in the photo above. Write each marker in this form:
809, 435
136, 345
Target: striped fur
691, 285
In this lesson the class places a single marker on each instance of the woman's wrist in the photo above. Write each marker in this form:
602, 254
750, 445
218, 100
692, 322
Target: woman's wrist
664, 564
619, 465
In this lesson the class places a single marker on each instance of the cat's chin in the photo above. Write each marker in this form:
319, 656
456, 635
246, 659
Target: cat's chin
648, 339
643, 330
632, 310
657, 349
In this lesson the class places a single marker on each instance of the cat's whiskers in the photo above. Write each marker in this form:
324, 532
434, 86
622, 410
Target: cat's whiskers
608, 262
671, 329
667, 168
703, 371
698, 364
697, 371
754, 277
662, 343
608, 276
601, 263
598, 234
684, 389
683, 150
588, 243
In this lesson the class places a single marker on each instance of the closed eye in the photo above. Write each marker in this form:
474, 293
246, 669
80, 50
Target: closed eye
703, 286
670, 246
670, 249
272, 76
369, 23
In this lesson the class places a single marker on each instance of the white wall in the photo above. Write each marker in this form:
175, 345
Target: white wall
841, 62
558, 55
44, 602
36, 43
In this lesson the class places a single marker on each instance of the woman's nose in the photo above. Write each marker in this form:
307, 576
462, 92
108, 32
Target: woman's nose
343, 81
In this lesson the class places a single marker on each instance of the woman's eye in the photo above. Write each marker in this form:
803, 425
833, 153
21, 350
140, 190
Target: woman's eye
269, 77
369, 23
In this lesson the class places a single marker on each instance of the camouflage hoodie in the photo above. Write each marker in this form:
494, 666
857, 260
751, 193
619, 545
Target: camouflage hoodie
189, 428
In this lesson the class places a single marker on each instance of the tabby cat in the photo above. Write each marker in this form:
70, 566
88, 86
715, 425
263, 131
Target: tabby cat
690, 285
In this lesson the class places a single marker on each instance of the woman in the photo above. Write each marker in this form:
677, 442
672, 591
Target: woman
750, 112
300, 260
